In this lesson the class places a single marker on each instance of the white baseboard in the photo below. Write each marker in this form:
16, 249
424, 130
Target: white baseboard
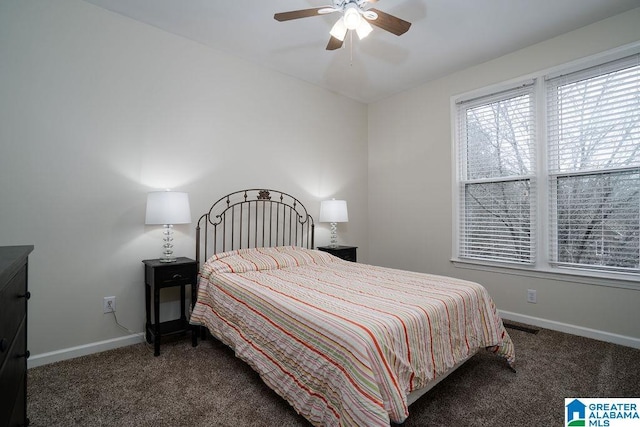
572, 329
83, 350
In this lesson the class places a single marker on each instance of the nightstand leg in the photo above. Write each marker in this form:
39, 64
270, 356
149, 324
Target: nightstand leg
147, 303
194, 336
156, 317
183, 302
194, 328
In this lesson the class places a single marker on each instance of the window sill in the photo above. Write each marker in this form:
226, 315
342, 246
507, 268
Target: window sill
623, 281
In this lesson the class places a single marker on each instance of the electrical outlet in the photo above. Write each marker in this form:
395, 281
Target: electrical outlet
532, 296
109, 305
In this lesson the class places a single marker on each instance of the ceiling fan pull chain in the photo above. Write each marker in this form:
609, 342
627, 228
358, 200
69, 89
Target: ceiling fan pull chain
351, 48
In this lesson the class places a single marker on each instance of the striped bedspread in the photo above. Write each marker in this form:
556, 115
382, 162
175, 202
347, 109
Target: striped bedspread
343, 343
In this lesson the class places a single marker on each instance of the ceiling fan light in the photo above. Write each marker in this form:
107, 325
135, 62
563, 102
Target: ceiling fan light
339, 30
363, 29
352, 18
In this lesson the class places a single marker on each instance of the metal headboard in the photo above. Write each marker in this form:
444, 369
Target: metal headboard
254, 218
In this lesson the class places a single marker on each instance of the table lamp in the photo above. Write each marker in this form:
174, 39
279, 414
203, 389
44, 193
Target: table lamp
333, 211
168, 208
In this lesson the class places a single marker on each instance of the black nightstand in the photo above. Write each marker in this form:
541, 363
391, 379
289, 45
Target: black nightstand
159, 275
347, 253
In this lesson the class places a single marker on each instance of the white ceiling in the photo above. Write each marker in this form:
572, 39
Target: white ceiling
445, 36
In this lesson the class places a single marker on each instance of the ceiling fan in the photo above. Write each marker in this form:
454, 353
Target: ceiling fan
356, 16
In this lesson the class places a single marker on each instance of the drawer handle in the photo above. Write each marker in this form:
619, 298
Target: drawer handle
4, 345
27, 295
177, 276
25, 355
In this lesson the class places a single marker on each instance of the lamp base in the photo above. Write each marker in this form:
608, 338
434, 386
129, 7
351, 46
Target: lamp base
334, 236
167, 246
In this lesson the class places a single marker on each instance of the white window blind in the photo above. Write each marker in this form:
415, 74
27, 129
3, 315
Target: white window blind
593, 133
496, 145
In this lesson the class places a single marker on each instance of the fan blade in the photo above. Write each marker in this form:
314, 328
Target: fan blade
297, 14
390, 23
334, 43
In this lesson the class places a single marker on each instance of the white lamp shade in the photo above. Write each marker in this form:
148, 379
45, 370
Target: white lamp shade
168, 207
339, 30
333, 211
363, 29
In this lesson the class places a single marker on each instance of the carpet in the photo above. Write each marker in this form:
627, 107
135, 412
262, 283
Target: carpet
208, 386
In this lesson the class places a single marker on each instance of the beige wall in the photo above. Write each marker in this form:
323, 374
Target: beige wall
97, 109
410, 186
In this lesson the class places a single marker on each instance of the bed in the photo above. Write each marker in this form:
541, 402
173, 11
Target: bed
344, 343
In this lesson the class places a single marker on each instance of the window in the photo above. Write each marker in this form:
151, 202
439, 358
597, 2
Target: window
594, 166
497, 166
579, 180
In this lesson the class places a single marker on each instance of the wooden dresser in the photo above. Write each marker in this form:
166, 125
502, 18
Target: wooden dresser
13, 335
